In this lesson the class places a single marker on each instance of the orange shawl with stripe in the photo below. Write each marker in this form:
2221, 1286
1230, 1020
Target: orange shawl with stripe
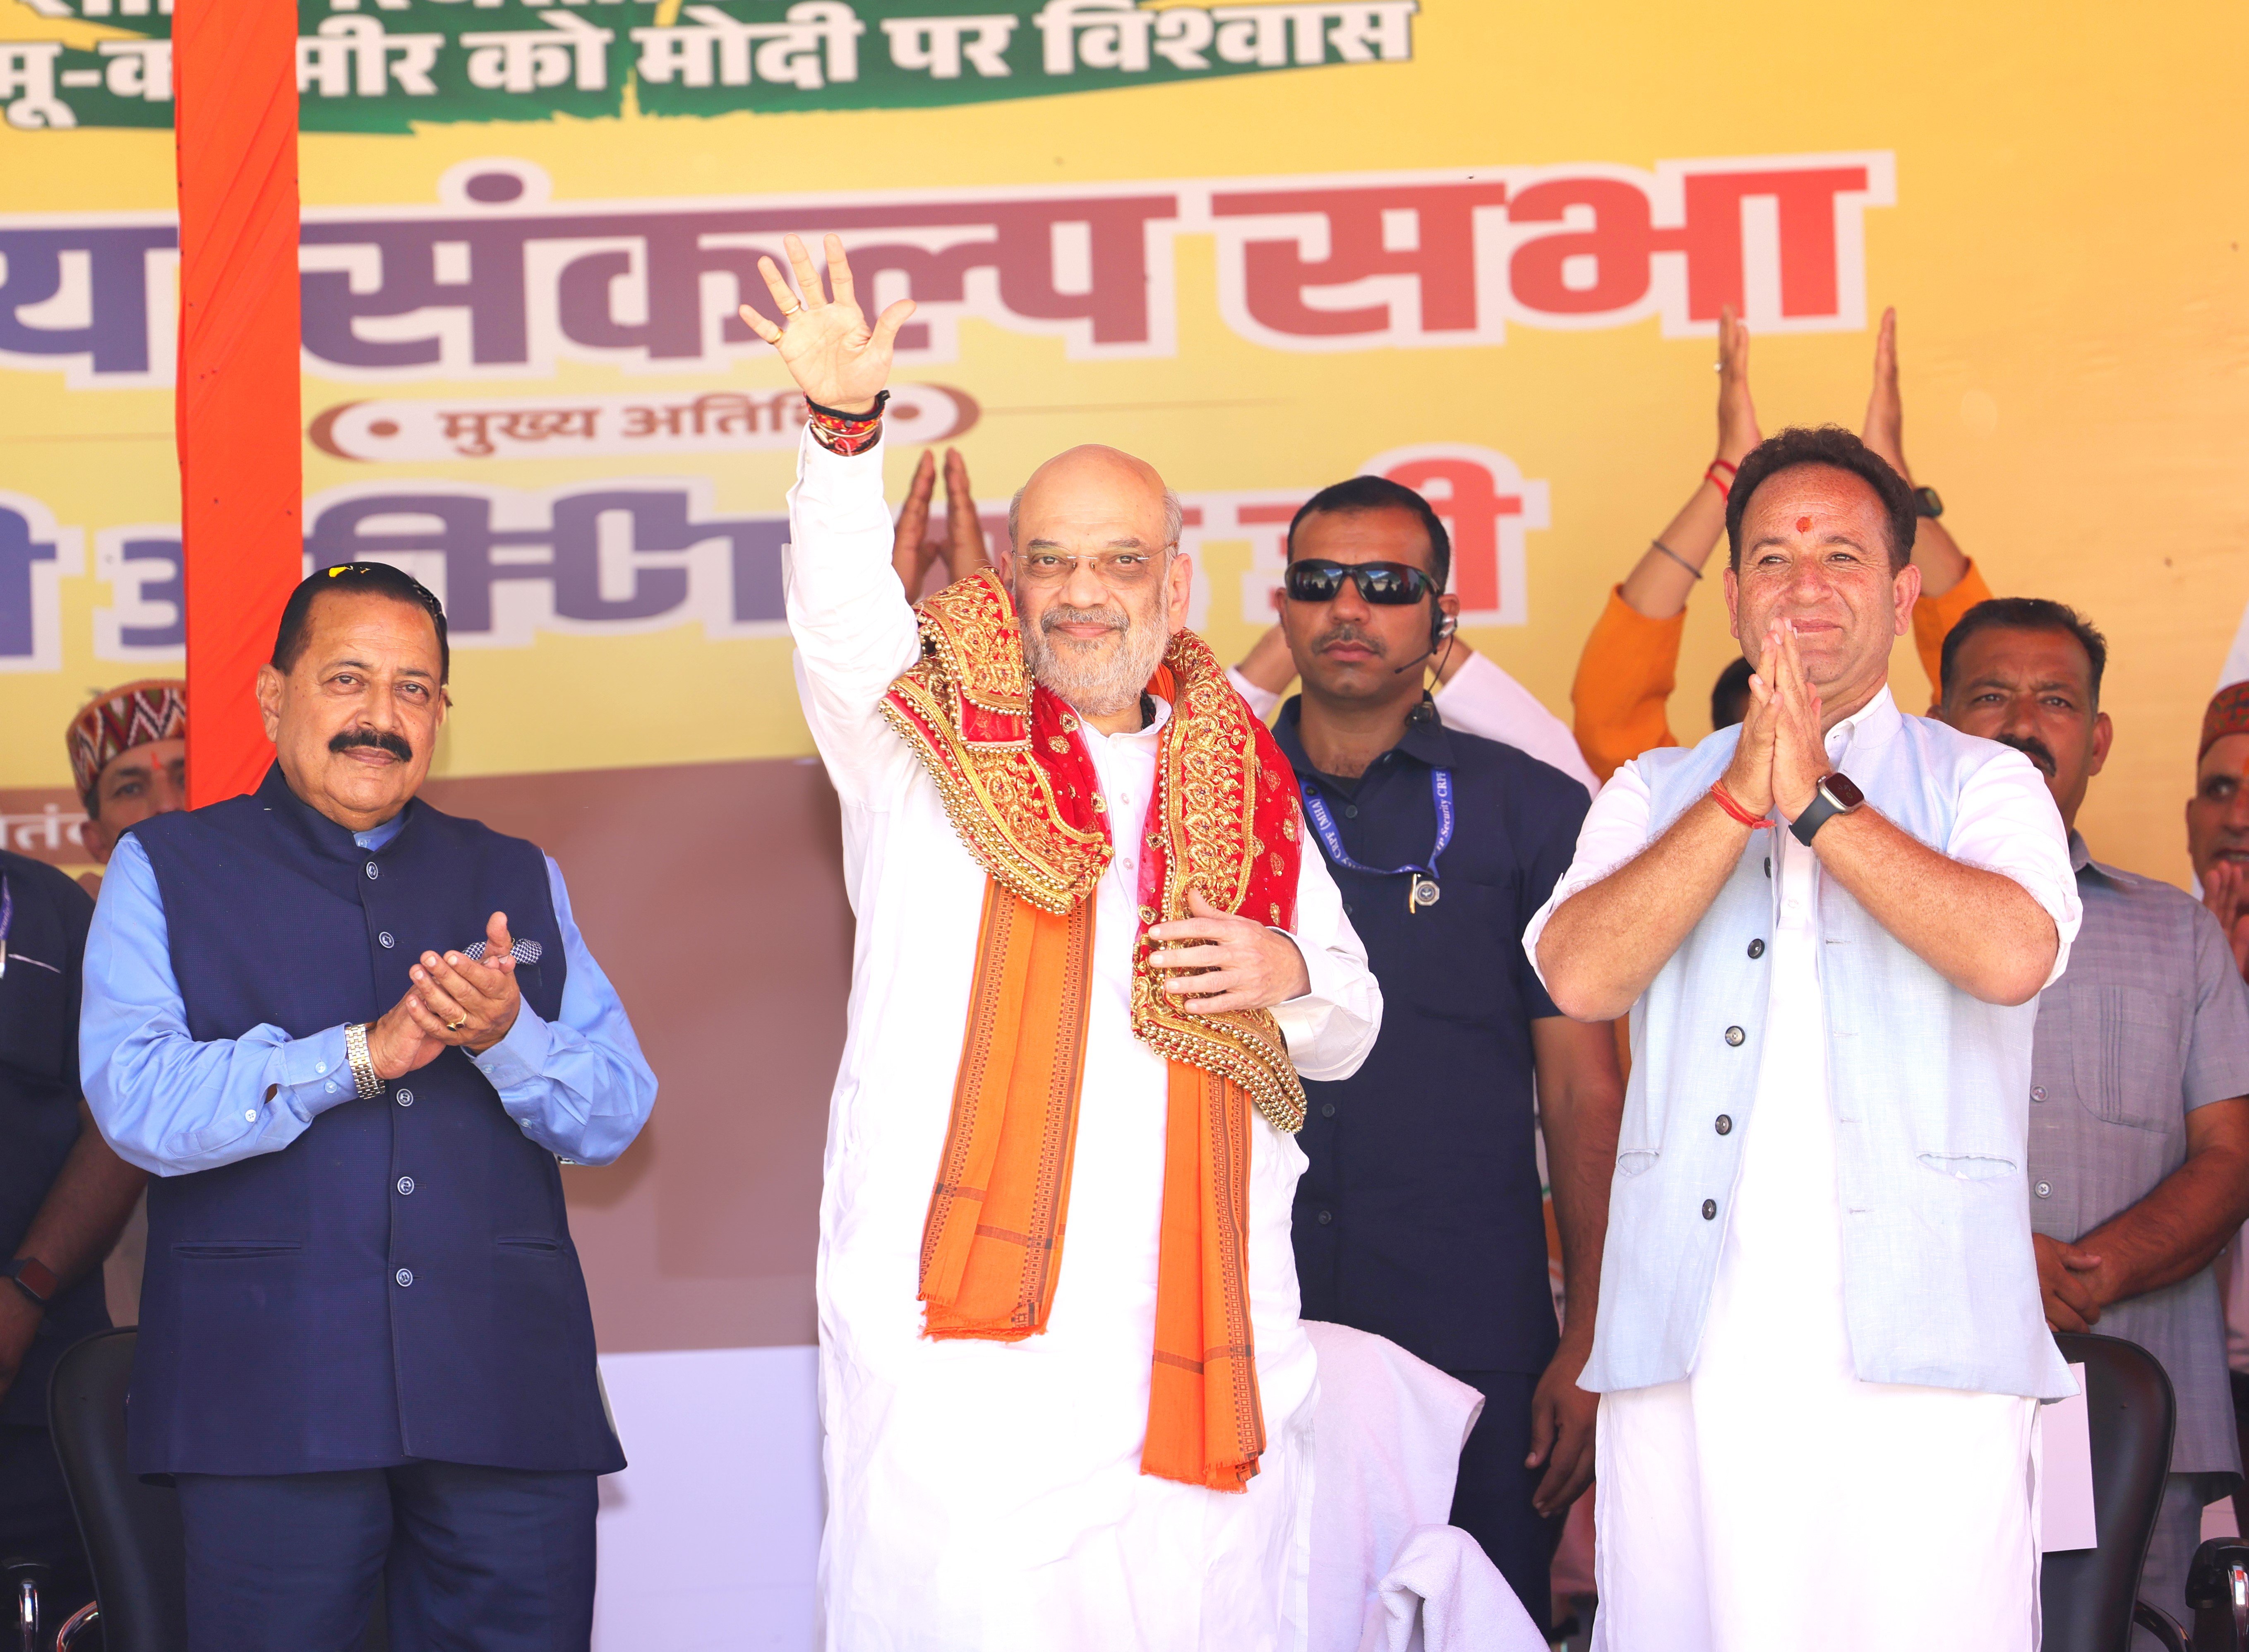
1010, 761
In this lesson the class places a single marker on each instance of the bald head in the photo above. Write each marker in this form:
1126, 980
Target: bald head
1095, 490
1096, 581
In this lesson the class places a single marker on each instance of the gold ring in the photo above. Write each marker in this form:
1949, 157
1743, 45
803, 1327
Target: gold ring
791, 310
455, 1026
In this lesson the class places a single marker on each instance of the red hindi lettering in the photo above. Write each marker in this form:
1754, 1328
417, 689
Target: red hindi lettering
1423, 232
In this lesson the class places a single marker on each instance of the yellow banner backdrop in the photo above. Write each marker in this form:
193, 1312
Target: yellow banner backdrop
1477, 246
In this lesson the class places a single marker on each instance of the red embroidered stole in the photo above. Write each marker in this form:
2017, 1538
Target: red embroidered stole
1010, 762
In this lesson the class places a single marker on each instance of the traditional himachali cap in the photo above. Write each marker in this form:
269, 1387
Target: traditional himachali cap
136, 714
2228, 714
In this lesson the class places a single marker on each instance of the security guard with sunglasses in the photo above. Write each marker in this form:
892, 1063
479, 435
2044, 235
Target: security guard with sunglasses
1420, 1217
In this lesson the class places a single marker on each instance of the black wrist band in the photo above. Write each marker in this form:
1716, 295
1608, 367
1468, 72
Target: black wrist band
882, 399
1816, 814
17, 1268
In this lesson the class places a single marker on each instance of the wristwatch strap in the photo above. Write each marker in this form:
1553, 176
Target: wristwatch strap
367, 1084
34, 1278
1822, 809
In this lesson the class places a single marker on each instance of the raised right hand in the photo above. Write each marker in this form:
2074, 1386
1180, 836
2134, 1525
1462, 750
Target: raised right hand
837, 359
1737, 419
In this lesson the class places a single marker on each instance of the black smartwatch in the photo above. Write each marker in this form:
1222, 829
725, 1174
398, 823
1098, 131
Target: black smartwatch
1925, 502
33, 1278
1836, 796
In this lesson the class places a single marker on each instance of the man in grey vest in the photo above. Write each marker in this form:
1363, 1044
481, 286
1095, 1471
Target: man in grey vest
1820, 1347
2139, 1161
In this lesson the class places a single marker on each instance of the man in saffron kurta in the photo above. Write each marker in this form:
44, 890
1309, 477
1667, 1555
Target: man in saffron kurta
1092, 960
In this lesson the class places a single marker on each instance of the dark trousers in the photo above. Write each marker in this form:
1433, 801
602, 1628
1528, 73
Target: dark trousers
36, 1523
1491, 1499
479, 1559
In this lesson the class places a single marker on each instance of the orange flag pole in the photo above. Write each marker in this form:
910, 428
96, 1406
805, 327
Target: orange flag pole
234, 70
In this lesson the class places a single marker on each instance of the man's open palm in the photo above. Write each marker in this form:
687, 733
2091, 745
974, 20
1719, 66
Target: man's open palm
837, 359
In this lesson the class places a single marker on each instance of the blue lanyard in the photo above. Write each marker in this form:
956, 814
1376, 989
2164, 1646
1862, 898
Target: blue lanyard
7, 917
1423, 890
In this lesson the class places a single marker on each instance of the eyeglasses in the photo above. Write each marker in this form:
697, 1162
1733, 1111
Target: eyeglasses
1384, 584
422, 593
1120, 570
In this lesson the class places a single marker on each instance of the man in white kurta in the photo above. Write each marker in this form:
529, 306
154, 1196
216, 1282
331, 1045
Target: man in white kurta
1818, 1423
987, 1493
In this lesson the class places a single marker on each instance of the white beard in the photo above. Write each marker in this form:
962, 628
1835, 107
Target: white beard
1099, 678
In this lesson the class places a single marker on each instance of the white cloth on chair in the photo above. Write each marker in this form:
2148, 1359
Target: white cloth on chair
1387, 1438
1443, 1595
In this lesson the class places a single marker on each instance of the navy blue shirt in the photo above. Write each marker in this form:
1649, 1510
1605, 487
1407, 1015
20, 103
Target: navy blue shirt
39, 1119
1420, 1217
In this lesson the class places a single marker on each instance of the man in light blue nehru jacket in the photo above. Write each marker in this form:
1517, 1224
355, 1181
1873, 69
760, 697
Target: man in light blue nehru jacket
1819, 1334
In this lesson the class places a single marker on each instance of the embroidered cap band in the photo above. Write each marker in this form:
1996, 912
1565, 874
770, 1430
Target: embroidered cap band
137, 714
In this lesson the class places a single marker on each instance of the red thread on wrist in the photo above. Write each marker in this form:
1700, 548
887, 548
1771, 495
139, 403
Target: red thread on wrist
845, 436
846, 433
1724, 799
1723, 483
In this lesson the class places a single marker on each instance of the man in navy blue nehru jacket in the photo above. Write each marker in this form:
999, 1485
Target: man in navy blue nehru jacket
351, 1036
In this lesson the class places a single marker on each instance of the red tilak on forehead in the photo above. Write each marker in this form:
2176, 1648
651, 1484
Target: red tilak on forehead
1803, 525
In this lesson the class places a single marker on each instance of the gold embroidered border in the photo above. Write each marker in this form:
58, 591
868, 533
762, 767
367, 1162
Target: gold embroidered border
1002, 804
995, 794
972, 643
1246, 1046
1208, 786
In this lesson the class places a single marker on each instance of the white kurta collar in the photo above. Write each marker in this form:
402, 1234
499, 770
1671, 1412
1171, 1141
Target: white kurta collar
1872, 723
1144, 736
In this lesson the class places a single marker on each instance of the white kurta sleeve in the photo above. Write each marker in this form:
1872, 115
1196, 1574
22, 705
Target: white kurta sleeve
1483, 699
1615, 830
1330, 1029
855, 631
1263, 702
2006, 822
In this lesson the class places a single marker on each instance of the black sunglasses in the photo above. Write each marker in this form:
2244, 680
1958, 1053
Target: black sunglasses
1384, 584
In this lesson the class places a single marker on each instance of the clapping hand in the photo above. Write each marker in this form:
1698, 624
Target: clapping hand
914, 550
467, 1002
837, 359
2226, 891
1885, 430
1232, 963
1783, 754
455, 1000
397, 1044
1737, 419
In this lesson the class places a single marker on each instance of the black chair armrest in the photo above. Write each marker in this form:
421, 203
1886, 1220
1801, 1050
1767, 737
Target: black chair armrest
2162, 1625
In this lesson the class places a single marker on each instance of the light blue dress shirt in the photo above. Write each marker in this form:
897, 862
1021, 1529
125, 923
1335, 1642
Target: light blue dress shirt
578, 1085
